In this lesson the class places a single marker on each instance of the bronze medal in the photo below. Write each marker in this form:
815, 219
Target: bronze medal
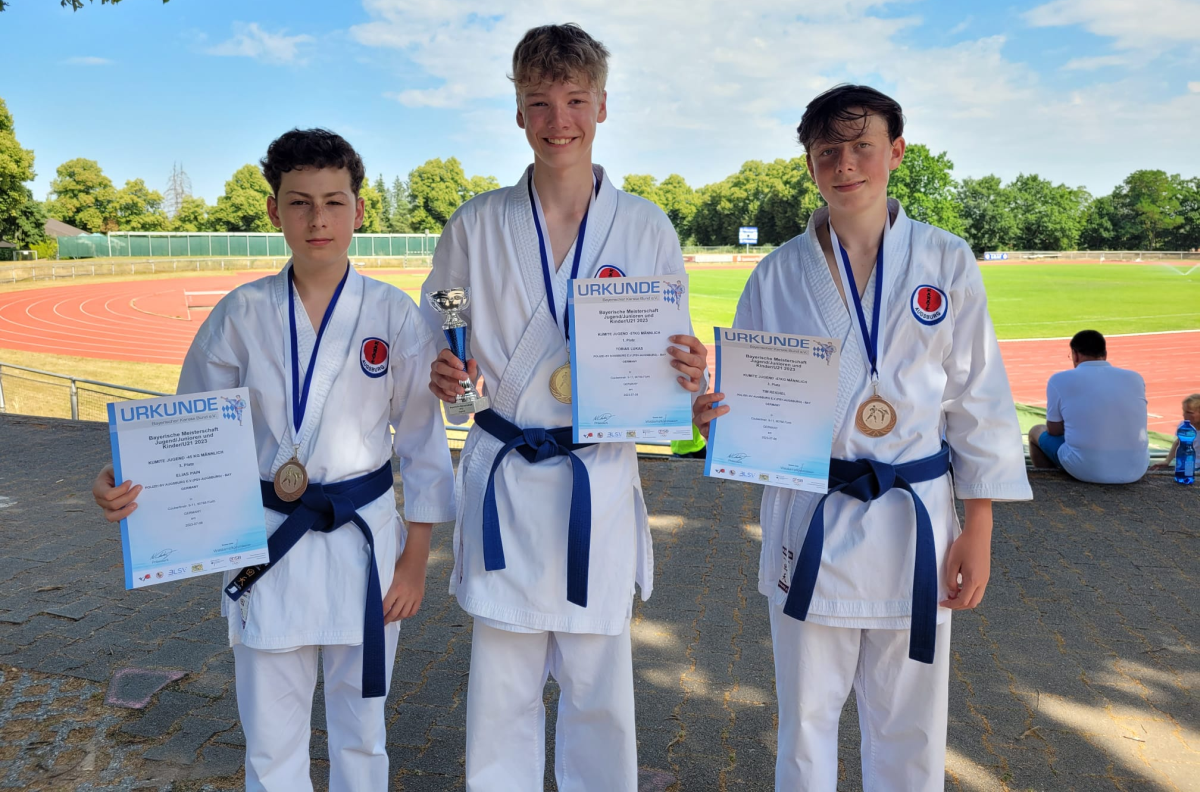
560, 383
291, 480
876, 417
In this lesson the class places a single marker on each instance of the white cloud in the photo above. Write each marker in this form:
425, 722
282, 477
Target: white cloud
1093, 62
1194, 87
697, 89
961, 26
1146, 24
251, 41
87, 60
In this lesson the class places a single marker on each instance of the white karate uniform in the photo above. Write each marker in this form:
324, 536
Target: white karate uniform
314, 596
942, 371
491, 245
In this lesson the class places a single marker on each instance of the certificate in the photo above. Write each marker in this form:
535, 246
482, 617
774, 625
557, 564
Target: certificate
623, 386
781, 391
200, 509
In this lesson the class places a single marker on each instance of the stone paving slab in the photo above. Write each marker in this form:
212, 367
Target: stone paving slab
1079, 672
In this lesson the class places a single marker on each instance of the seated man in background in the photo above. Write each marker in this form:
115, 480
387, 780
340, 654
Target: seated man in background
1095, 426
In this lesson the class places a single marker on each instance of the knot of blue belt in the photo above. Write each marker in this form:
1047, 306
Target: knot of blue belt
325, 508
539, 445
868, 480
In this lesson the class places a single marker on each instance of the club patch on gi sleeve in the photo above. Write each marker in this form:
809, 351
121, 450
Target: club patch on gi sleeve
929, 304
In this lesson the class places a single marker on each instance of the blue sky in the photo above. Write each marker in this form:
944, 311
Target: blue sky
1079, 91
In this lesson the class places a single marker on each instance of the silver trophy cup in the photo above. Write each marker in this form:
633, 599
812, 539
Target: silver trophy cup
449, 303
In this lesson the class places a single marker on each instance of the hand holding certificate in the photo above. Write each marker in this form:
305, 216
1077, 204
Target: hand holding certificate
624, 386
200, 509
781, 391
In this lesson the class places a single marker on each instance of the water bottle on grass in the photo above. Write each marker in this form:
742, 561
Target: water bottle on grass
1185, 455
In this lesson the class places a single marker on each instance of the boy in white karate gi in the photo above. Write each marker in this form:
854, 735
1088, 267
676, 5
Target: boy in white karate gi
861, 583
550, 539
332, 360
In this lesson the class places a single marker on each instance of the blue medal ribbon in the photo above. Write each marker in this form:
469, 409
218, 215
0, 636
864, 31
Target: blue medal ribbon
546, 260
870, 338
300, 396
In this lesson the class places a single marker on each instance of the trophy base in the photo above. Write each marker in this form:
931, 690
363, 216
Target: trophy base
478, 404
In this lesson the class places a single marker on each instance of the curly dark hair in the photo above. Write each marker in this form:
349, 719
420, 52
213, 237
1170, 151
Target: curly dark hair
841, 114
311, 148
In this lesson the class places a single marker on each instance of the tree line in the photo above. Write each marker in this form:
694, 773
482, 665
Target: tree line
1149, 210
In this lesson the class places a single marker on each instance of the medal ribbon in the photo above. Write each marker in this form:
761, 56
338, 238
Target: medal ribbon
871, 337
546, 259
300, 396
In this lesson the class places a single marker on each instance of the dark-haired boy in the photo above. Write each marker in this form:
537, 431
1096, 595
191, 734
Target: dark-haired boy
547, 596
863, 598
332, 359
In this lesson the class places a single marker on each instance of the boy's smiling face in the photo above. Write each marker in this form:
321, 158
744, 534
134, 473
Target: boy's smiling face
318, 212
1193, 415
559, 119
853, 175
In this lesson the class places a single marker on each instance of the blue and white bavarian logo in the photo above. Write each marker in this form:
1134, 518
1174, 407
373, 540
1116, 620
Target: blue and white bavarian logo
929, 304
373, 356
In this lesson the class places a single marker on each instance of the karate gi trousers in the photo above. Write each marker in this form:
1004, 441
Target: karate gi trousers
901, 706
274, 695
595, 744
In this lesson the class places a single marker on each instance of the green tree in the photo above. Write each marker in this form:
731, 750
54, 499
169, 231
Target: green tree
678, 200
1152, 198
985, 207
243, 207
924, 186
1186, 235
138, 208
778, 197
1049, 216
790, 201
435, 190
192, 216
1103, 226
729, 204
22, 219
398, 220
643, 185
477, 185
74, 5
373, 215
386, 210
82, 196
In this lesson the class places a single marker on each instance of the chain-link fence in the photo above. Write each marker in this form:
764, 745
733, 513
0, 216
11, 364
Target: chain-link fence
163, 244
29, 391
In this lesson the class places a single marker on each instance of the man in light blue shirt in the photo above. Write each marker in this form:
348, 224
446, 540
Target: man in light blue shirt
1095, 426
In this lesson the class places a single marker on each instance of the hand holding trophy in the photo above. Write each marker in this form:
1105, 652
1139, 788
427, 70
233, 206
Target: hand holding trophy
450, 303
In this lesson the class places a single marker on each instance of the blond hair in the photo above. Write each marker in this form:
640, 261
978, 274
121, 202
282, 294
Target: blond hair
1192, 402
559, 53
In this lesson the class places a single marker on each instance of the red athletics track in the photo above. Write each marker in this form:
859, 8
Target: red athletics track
147, 321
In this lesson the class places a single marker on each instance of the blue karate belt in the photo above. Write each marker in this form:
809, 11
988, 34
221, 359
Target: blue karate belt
325, 508
539, 445
869, 480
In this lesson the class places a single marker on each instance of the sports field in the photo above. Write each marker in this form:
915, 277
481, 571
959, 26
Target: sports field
135, 331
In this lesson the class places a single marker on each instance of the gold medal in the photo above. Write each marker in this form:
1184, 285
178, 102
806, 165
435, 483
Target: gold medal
560, 383
876, 417
291, 480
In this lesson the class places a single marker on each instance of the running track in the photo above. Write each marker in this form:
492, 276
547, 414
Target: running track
146, 321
